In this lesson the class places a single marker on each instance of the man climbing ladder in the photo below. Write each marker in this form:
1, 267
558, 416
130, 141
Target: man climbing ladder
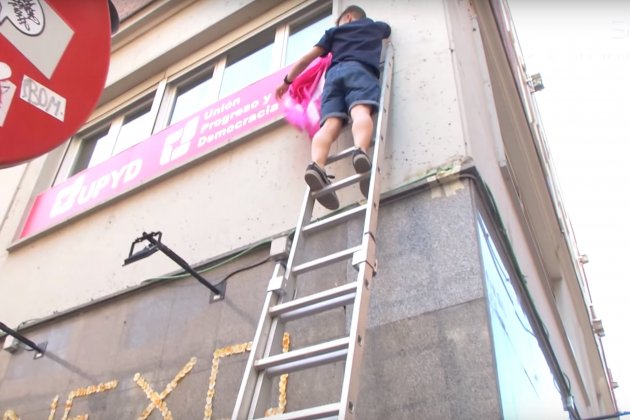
351, 87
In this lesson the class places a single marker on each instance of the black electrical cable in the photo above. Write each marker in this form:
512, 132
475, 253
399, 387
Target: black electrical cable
204, 268
249, 267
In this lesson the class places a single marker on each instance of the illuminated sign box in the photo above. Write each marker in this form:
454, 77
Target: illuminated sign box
224, 121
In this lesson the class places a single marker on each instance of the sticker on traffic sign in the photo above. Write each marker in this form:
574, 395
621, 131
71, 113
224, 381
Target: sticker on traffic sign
54, 57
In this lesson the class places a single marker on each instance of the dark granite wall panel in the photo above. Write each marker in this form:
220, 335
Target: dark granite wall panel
428, 349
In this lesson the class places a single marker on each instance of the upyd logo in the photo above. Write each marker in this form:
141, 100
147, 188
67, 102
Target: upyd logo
26, 15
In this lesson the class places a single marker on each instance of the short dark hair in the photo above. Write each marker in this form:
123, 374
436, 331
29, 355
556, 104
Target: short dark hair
355, 11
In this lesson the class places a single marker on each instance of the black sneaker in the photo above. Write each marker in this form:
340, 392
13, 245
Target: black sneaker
316, 178
362, 164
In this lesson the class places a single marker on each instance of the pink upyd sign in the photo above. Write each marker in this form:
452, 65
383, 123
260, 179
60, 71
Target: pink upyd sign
224, 121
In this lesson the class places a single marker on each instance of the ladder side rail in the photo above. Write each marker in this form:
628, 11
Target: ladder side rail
306, 214
373, 199
260, 338
358, 326
273, 344
266, 338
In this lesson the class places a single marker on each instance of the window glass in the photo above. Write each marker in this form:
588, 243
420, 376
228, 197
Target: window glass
526, 384
135, 129
246, 63
191, 98
95, 148
119, 134
244, 67
304, 36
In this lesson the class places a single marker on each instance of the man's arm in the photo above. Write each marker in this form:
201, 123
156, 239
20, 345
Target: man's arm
387, 30
298, 68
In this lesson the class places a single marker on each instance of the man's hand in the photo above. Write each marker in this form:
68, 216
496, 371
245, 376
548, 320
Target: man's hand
298, 68
281, 90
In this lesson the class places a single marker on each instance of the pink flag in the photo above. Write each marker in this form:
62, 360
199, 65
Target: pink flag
302, 105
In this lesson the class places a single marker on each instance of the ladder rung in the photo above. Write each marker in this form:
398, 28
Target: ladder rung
345, 182
305, 358
329, 259
334, 220
321, 412
315, 303
343, 154
311, 362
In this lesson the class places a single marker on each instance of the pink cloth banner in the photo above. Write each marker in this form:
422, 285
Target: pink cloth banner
226, 120
303, 102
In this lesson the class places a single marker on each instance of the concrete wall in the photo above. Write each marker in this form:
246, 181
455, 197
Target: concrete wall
428, 350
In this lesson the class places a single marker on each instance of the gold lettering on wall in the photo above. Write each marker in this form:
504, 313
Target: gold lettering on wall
83, 392
10, 415
238, 349
53, 407
157, 400
217, 356
282, 386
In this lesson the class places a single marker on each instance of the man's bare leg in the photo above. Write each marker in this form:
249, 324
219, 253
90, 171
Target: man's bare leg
362, 126
323, 139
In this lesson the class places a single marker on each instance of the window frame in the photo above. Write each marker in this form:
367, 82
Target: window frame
246, 49
188, 80
164, 86
302, 22
114, 120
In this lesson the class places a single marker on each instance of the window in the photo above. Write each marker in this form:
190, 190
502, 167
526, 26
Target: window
247, 64
305, 35
177, 97
109, 139
135, 128
526, 385
192, 97
85, 157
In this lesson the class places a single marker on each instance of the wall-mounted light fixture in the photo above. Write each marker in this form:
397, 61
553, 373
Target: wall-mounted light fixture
40, 349
155, 244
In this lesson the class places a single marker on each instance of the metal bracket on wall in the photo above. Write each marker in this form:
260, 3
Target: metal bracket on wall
155, 244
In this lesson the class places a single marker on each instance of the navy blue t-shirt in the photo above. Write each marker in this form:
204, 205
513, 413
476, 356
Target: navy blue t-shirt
359, 40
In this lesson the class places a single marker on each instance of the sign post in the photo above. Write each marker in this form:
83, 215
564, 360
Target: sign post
54, 58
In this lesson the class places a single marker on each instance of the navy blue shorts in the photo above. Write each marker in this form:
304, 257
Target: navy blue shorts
348, 83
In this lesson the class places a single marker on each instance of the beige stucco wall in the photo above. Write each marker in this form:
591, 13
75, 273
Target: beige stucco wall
9, 181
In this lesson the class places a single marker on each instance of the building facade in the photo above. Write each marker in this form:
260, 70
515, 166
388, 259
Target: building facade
480, 308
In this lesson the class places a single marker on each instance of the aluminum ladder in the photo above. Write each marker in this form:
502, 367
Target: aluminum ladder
266, 358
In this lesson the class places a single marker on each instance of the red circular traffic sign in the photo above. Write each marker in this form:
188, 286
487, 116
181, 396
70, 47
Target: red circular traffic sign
54, 57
